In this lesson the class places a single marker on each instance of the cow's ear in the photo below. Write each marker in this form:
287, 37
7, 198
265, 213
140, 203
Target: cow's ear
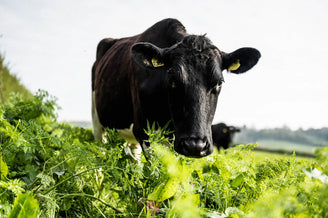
147, 55
240, 60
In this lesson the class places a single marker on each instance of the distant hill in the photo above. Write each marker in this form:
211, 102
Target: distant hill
10, 83
309, 137
83, 124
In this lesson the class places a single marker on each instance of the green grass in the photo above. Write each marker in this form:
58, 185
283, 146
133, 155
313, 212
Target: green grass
285, 145
51, 169
262, 155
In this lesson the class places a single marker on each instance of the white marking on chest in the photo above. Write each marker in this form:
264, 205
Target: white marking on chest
97, 128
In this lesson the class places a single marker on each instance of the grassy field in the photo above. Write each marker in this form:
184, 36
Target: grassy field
10, 83
285, 145
263, 155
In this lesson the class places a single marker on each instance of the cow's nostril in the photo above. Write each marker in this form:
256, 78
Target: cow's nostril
200, 145
203, 152
195, 146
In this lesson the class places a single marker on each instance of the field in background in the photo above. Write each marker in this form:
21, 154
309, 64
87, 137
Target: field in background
263, 155
285, 145
83, 124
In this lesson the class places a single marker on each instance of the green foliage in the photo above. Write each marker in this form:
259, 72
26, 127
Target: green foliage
41, 107
25, 206
10, 83
51, 169
3, 168
322, 156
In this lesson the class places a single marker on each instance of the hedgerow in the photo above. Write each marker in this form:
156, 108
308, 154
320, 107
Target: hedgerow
52, 169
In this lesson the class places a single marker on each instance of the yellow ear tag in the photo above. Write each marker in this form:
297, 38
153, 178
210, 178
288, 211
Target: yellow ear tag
234, 66
155, 63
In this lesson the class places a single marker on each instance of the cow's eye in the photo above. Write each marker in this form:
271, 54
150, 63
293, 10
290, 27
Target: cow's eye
217, 88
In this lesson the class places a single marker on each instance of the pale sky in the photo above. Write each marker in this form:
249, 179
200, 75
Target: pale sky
51, 45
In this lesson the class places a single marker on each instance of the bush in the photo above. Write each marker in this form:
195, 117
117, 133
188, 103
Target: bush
57, 170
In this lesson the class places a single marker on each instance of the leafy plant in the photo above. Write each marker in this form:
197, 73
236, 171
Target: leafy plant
25, 206
51, 169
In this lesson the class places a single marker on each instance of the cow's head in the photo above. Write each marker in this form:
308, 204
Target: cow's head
221, 130
193, 78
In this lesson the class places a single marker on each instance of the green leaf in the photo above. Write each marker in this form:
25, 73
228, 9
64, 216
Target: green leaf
67, 204
25, 206
237, 181
164, 190
3, 168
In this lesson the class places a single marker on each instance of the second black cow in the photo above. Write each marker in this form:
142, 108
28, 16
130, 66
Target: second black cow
163, 74
223, 135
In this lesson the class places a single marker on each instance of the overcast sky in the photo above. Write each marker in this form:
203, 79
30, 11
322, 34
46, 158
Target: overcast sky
51, 45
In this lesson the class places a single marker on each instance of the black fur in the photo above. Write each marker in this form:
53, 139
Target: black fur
223, 135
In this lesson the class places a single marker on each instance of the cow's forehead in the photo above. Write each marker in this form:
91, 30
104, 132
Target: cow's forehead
204, 70
195, 57
191, 54
193, 44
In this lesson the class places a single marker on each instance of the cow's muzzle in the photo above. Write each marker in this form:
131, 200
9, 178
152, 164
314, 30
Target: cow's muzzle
194, 147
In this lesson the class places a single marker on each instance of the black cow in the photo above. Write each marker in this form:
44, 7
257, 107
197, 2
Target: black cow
223, 135
161, 75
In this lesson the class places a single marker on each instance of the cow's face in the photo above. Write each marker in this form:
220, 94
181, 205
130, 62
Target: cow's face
193, 79
225, 131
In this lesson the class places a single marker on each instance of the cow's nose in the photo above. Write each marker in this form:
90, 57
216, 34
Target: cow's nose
194, 147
